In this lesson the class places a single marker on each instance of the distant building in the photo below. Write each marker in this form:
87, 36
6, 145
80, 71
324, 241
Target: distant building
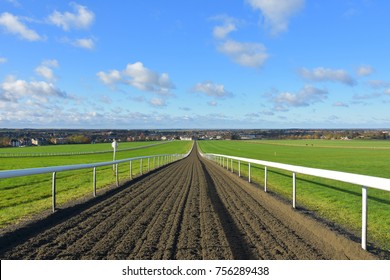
25, 142
248, 137
14, 143
185, 138
59, 141
38, 141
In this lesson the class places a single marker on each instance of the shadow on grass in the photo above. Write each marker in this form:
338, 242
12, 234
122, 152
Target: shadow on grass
339, 189
371, 247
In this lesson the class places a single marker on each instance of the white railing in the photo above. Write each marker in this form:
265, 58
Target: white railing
357, 179
158, 161
20, 153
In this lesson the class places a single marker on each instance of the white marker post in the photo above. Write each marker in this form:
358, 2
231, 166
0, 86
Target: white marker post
114, 145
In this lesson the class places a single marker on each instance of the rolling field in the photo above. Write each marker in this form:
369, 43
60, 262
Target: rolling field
71, 148
22, 197
337, 202
194, 209
191, 209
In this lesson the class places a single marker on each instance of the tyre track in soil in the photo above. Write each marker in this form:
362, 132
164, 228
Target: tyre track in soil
190, 209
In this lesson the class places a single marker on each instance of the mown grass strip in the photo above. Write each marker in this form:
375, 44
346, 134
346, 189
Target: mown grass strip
70, 150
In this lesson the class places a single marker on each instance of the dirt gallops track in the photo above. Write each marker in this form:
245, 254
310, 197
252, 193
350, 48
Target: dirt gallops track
191, 209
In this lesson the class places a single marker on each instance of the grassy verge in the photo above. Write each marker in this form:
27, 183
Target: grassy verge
23, 197
335, 201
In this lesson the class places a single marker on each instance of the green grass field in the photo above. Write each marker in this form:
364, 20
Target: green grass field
31, 150
335, 201
22, 197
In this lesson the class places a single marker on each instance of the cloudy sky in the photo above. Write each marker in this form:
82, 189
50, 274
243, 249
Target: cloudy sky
195, 64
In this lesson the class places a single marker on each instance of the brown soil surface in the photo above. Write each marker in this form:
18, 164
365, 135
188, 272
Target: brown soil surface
191, 209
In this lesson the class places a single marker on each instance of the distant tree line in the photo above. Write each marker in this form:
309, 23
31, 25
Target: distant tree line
78, 139
8, 137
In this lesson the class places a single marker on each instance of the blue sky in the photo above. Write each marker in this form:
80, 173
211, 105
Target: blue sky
195, 64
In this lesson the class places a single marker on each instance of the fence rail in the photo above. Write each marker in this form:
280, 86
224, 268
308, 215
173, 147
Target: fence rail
46, 154
362, 180
158, 161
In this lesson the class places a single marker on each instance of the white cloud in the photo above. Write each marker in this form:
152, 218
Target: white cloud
3, 60
45, 70
212, 103
366, 96
13, 25
268, 113
38, 114
82, 18
252, 116
376, 84
53, 63
13, 90
340, 104
142, 78
321, 74
387, 91
279, 108
245, 54
110, 78
50, 115
364, 70
211, 89
277, 13
305, 97
105, 99
85, 43
14, 2
229, 24
158, 102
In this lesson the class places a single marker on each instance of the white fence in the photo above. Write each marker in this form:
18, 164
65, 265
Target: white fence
357, 179
48, 154
158, 160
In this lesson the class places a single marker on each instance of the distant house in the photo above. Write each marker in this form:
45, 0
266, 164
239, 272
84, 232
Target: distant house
185, 138
248, 137
14, 143
59, 141
25, 142
38, 141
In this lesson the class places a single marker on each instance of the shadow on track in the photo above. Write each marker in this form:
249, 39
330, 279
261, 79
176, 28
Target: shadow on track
238, 245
